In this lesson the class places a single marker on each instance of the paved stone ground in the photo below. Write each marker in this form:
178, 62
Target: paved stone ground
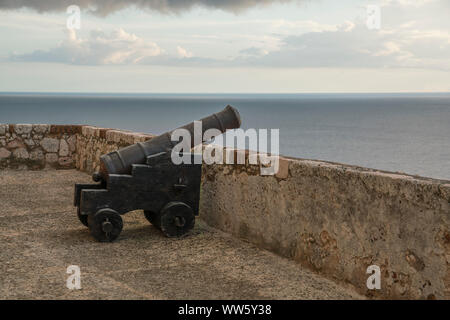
40, 236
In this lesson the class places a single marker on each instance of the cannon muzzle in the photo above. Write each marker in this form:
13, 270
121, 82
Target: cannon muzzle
120, 162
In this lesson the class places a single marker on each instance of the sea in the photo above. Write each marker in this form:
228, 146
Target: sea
403, 132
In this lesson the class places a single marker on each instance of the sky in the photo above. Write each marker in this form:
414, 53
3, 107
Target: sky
218, 46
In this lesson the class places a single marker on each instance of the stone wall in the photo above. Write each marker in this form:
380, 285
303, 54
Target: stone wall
39, 146
338, 220
93, 142
26, 146
334, 219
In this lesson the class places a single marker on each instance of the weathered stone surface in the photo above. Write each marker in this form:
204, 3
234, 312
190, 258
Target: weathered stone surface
4, 153
118, 136
72, 141
339, 220
3, 129
21, 153
37, 154
41, 129
29, 142
65, 161
65, 129
51, 158
23, 129
50, 144
141, 137
63, 148
89, 131
283, 169
15, 144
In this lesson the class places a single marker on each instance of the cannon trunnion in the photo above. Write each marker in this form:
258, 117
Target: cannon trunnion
169, 195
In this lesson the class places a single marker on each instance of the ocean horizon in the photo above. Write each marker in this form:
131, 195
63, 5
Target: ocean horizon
399, 132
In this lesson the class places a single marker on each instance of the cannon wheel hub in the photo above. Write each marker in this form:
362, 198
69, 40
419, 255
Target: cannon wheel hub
105, 225
176, 219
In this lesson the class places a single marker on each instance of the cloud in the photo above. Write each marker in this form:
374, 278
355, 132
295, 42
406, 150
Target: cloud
115, 48
349, 46
118, 47
401, 43
105, 7
355, 46
184, 53
254, 52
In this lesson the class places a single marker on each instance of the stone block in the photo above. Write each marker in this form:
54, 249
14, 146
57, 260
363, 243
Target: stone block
29, 142
89, 131
21, 153
41, 128
23, 129
4, 153
65, 129
65, 162
283, 169
37, 154
51, 158
15, 144
63, 148
50, 144
3, 129
72, 141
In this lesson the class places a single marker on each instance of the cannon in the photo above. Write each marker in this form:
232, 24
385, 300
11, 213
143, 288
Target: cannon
143, 177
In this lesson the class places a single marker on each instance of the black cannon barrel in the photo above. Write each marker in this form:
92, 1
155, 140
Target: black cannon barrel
120, 162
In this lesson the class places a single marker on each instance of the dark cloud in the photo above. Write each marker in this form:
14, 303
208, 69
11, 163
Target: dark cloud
104, 7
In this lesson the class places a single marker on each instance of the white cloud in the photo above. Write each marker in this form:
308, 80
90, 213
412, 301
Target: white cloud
413, 3
358, 47
184, 53
118, 47
254, 52
349, 46
406, 40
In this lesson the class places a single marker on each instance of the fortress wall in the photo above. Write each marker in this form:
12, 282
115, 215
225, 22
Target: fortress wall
37, 146
334, 219
92, 142
337, 220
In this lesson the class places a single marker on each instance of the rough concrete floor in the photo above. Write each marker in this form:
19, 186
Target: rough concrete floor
40, 236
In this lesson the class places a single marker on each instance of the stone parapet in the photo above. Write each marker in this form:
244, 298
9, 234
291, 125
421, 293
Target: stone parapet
38, 146
338, 220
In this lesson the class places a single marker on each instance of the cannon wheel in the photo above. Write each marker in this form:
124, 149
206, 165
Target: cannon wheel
152, 217
175, 219
82, 217
105, 225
